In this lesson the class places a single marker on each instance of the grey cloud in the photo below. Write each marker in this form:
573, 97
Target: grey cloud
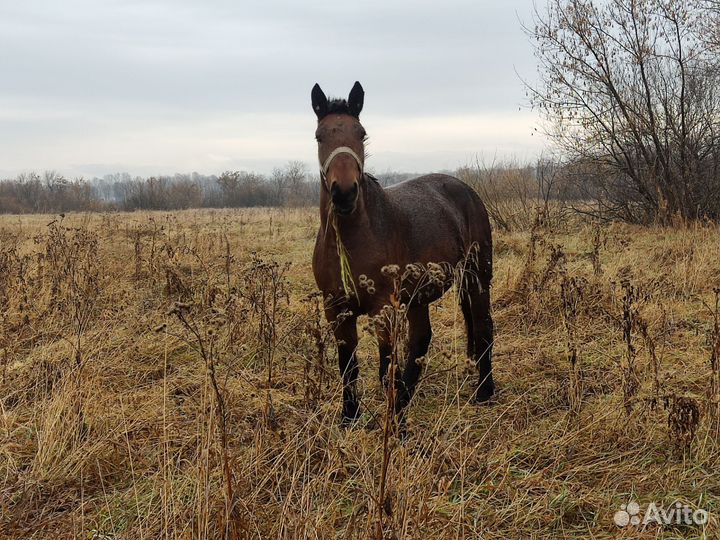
119, 66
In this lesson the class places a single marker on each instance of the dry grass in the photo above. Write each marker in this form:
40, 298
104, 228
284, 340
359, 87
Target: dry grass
170, 375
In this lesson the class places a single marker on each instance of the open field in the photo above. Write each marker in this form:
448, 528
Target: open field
163, 377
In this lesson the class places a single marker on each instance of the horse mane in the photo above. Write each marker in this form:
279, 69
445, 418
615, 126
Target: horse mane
371, 177
339, 106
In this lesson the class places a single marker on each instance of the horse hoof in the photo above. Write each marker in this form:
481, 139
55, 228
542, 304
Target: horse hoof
484, 395
347, 420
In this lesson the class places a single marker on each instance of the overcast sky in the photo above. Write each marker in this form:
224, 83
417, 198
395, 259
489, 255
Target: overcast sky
91, 87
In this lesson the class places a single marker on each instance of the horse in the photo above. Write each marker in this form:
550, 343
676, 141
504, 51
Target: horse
433, 221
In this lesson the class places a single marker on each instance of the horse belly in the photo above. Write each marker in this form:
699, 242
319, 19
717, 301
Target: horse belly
427, 283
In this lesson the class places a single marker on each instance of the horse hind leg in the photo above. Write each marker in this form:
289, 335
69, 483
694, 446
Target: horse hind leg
475, 299
467, 316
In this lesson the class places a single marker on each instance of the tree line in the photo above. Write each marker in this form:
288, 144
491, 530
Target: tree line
49, 192
291, 185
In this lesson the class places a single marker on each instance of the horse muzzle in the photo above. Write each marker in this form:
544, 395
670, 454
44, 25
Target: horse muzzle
344, 201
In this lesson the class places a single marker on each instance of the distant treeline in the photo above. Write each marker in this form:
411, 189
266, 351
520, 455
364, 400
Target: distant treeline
514, 193
50, 192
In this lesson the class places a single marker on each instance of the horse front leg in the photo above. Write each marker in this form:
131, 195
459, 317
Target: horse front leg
419, 336
346, 339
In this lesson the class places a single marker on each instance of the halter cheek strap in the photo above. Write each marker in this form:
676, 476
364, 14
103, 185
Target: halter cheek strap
335, 153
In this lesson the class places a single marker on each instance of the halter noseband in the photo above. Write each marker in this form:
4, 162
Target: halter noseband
335, 153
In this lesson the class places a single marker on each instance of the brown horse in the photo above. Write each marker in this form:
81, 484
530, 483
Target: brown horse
415, 224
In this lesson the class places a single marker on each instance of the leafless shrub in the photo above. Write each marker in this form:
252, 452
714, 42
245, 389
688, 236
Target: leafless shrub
202, 336
644, 329
714, 387
572, 293
264, 287
597, 243
71, 259
630, 377
315, 368
683, 420
629, 89
517, 196
393, 319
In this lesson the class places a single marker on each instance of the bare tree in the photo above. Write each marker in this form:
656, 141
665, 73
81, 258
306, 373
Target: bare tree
297, 184
712, 23
240, 188
630, 89
290, 185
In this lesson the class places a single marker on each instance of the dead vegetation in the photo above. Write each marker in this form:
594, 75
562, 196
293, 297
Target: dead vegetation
171, 375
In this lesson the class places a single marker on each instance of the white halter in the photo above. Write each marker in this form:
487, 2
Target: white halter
335, 153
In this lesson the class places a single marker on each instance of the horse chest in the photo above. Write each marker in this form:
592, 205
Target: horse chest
364, 279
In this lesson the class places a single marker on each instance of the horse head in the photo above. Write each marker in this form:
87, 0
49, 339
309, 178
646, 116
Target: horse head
341, 146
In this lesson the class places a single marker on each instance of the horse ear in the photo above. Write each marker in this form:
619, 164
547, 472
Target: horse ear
319, 101
355, 101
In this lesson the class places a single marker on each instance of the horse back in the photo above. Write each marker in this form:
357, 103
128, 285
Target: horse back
444, 217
